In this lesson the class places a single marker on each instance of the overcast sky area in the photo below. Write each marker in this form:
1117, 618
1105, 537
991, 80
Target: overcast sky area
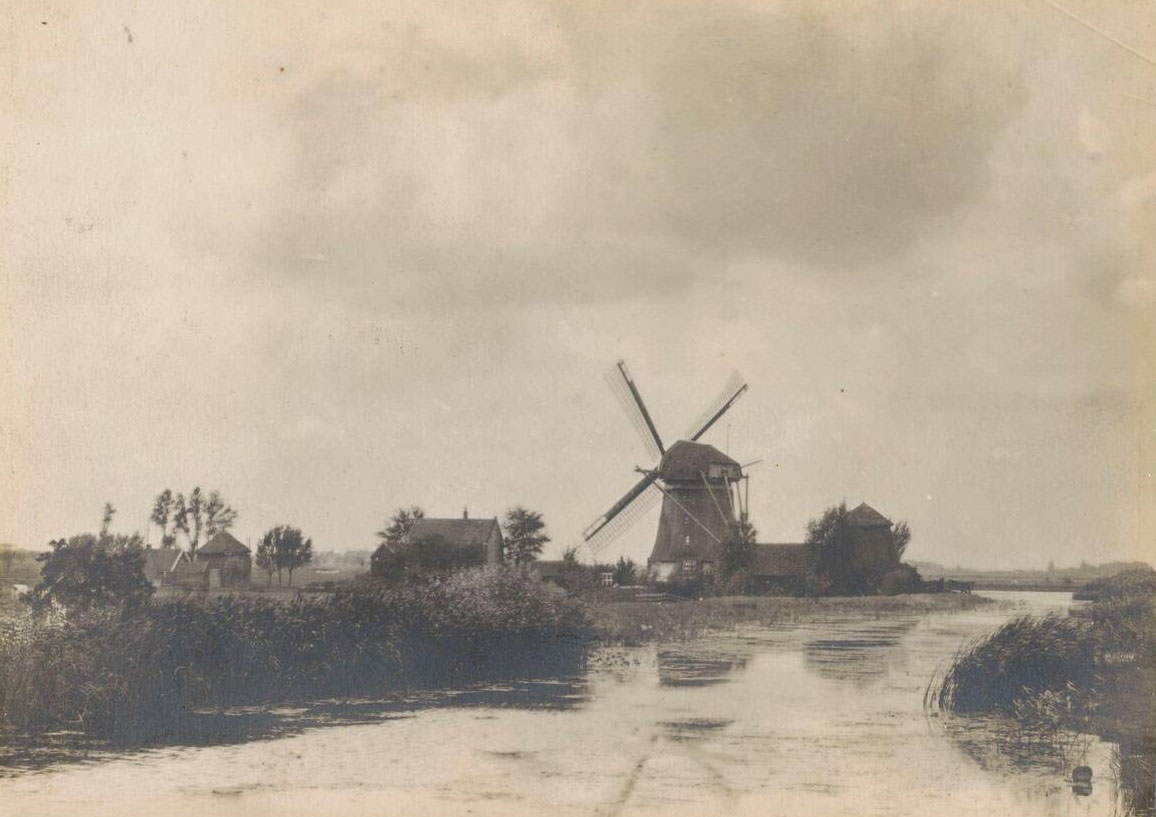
334, 258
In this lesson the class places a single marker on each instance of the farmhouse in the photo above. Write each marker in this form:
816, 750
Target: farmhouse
482, 537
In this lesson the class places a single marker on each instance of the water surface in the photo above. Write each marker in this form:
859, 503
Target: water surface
824, 718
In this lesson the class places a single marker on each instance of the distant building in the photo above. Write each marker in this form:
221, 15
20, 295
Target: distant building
784, 568
226, 561
871, 548
481, 537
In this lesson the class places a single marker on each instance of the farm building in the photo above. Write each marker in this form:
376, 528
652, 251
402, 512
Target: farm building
871, 539
781, 568
226, 561
785, 567
482, 537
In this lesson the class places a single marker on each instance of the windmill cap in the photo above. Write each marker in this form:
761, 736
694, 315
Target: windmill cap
688, 461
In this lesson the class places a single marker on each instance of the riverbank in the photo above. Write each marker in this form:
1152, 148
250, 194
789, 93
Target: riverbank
633, 623
1090, 672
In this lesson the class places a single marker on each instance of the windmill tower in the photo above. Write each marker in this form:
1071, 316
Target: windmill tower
702, 504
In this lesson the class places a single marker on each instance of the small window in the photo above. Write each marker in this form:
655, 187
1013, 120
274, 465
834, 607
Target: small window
707, 568
607, 579
689, 565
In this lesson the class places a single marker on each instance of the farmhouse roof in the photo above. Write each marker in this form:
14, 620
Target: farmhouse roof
864, 516
223, 543
686, 460
781, 560
161, 560
185, 566
460, 532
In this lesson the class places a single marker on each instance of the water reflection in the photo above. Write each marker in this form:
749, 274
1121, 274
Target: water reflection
702, 663
242, 724
1002, 746
860, 652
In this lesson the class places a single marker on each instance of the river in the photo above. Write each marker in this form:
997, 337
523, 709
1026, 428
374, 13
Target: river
822, 718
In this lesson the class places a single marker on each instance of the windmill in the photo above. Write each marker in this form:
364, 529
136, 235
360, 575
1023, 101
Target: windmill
697, 483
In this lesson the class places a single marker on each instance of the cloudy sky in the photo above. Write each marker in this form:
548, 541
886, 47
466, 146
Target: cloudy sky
333, 258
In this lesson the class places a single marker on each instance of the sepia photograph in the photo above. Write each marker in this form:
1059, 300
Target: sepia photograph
585, 408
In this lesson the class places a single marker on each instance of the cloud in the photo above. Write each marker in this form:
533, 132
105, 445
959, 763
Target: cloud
642, 147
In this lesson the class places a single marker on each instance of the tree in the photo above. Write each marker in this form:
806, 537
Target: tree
739, 549
88, 570
199, 514
163, 507
570, 557
7, 556
831, 539
625, 572
286, 548
524, 530
900, 538
400, 524
266, 558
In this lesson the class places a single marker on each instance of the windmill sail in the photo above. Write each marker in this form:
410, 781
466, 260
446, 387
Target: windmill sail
622, 384
624, 520
624, 505
731, 392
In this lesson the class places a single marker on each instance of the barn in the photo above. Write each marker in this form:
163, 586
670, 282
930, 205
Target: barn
781, 568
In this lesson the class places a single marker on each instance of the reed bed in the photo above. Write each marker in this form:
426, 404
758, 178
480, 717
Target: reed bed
136, 675
1091, 670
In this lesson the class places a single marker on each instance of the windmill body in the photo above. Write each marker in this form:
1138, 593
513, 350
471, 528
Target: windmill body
699, 510
699, 487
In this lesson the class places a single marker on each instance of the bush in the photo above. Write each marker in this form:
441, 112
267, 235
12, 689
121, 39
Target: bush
901, 579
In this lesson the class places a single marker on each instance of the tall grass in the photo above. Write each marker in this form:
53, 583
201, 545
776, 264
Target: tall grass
136, 675
1068, 663
1024, 657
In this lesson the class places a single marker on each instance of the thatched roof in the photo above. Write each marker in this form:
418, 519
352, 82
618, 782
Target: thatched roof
223, 544
782, 560
864, 516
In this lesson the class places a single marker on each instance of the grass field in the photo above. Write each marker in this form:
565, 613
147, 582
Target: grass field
636, 623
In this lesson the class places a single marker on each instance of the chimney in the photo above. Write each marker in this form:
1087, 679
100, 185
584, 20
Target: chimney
465, 513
